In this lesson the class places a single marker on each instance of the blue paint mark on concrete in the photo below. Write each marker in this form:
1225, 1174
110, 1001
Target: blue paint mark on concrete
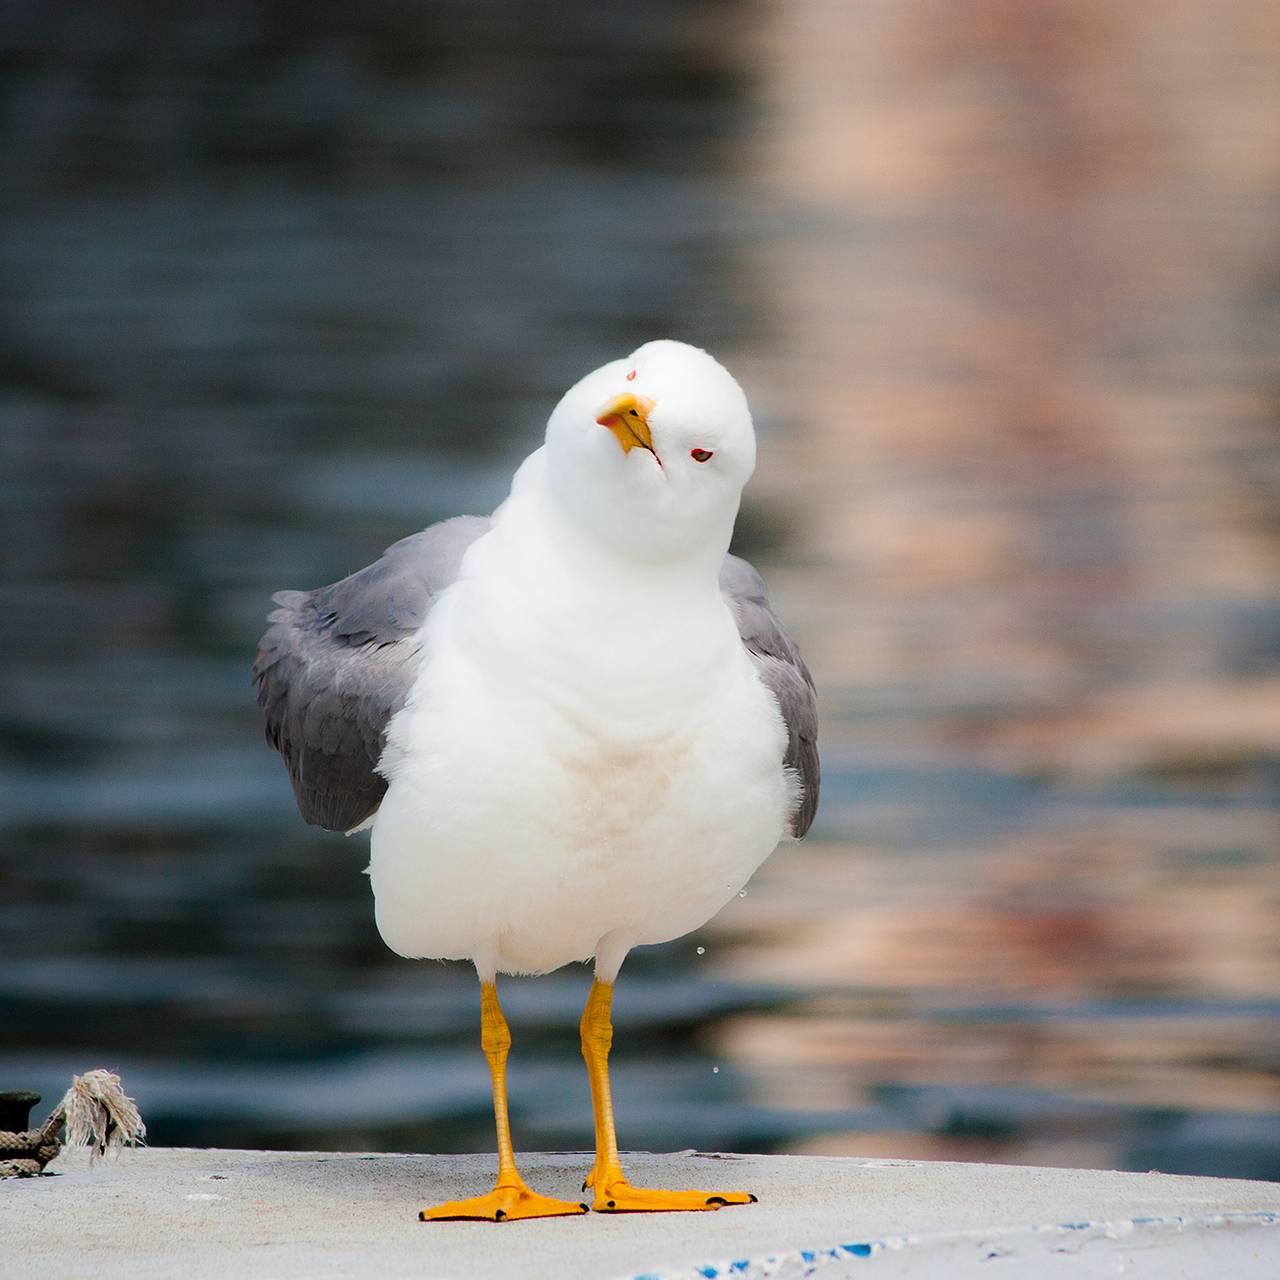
814, 1259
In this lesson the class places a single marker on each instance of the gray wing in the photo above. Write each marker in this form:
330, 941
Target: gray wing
338, 662
783, 671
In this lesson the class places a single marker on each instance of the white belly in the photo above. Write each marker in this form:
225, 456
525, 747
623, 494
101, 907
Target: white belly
529, 819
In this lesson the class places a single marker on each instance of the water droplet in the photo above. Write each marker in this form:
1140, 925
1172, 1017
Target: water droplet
715, 1071
702, 951
742, 893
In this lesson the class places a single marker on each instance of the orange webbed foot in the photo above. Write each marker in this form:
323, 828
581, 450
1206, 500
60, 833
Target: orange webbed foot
617, 1195
507, 1202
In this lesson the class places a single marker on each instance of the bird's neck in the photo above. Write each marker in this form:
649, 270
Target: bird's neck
581, 619
633, 563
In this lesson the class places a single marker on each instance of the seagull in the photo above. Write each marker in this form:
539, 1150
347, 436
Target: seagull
573, 727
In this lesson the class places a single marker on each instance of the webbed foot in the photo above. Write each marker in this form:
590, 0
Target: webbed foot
507, 1202
617, 1195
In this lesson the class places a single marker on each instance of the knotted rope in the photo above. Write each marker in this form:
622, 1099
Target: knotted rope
95, 1110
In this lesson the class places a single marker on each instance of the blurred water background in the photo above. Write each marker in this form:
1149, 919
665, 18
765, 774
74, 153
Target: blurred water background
278, 286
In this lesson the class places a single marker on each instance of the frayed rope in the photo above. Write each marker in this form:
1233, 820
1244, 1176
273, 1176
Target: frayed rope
95, 1112
98, 1111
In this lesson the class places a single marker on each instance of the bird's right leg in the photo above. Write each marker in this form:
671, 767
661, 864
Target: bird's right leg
613, 1193
510, 1197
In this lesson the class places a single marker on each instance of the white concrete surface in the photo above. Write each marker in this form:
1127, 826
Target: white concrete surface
278, 1215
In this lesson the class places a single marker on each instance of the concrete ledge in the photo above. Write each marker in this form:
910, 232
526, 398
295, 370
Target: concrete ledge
162, 1213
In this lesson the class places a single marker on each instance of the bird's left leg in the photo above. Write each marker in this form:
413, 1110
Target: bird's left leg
613, 1193
510, 1198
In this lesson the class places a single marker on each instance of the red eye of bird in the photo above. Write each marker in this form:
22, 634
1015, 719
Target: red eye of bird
631, 377
700, 455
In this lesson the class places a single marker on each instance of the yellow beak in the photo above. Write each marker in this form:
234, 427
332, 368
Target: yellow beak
627, 416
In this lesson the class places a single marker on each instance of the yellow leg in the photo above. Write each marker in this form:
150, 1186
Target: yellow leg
613, 1193
510, 1198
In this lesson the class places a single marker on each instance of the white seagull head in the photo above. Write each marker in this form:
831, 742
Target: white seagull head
650, 453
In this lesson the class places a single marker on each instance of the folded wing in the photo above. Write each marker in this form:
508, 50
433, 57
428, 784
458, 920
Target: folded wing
783, 670
338, 663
